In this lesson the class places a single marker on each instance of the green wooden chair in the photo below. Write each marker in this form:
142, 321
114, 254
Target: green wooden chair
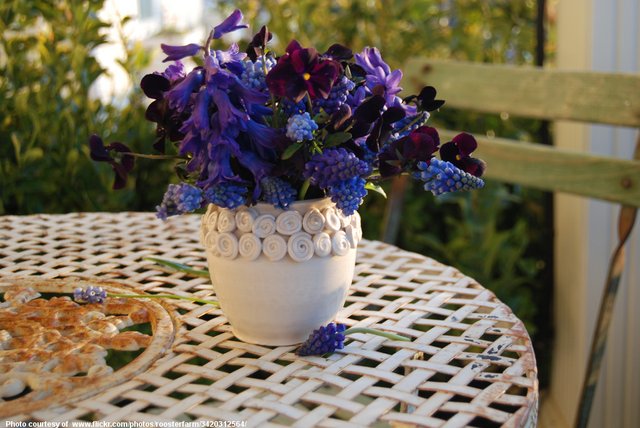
549, 95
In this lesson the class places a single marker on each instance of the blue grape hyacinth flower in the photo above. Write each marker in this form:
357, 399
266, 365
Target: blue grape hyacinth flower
300, 127
227, 195
333, 166
443, 177
323, 340
277, 192
179, 199
348, 194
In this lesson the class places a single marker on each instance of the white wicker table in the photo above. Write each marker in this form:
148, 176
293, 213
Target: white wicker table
470, 361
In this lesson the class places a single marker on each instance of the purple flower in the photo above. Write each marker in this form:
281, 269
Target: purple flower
227, 195
180, 95
402, 155
231, 59
337, 96
232, 23
300, 71
323, 340
443, 177
90, 294
277, 192
175, 53
258, 43
174, 72
300, 127
155, 85
101, 153
379, 74
348, 194
253, 75
264, 139
458, 152
179, 199
334, 166
228, 114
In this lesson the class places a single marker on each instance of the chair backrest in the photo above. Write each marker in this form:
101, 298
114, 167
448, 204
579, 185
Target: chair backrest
604, 98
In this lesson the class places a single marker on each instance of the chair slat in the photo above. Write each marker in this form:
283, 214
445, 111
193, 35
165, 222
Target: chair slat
530, 92
552, 169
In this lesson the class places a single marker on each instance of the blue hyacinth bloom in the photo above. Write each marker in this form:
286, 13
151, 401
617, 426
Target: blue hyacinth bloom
442, 177
323, 340
348, 194
300, 127
90, 295
277, 192
227, 195
333, 166
179, 199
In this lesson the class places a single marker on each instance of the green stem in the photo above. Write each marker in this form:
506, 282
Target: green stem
165, 296
309, 103
179, 267
146, 156
303, 190
388, 335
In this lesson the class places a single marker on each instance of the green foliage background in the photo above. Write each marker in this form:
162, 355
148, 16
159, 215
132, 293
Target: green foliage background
498, 235
46, 114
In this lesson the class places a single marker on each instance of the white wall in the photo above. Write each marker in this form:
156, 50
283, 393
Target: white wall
600, 35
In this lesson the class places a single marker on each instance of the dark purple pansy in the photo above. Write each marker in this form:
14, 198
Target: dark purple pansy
404, 153
232, 23
339, 52
458, 151
427, 99
258, 44
155, 85
301, 71
175, 53
101, 153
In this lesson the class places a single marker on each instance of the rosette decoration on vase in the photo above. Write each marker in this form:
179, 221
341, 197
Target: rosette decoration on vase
280, 151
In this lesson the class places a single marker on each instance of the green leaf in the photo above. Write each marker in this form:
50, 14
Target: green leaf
375, 188
336, 139
291, 150
178, 266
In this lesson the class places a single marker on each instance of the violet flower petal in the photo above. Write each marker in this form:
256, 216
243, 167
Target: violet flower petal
231, 23
175, 53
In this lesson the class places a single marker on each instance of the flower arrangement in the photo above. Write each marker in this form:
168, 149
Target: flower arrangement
254, 127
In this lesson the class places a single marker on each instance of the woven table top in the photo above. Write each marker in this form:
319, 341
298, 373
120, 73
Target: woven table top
470, 361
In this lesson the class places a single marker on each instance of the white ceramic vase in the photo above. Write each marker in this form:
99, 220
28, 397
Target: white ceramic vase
280, 274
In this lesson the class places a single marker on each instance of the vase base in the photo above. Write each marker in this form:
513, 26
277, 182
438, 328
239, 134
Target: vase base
277, 341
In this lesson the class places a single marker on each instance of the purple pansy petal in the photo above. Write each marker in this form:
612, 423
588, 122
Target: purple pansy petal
231, 23
175, 53
155, 85
97, 151
466, 144
448, 152
339, 52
